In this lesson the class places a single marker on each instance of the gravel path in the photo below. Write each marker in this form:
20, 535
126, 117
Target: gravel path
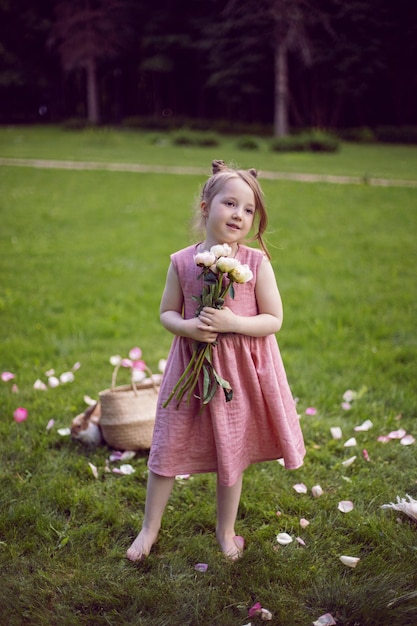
169, 169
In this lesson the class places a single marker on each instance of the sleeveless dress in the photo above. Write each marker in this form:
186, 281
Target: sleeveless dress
259, 424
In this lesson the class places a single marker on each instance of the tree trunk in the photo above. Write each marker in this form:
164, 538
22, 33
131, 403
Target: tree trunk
281, 89
93, 113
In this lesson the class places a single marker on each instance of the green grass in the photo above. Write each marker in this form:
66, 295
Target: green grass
83, 258
103, 145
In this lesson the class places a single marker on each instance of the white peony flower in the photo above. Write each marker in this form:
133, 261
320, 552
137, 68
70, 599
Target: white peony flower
241, 274
221, 250
226, 264
204, 259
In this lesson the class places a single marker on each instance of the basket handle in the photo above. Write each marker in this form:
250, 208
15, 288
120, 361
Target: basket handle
135, 389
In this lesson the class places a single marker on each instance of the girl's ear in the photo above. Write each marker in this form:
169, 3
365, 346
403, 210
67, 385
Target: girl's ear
204, 208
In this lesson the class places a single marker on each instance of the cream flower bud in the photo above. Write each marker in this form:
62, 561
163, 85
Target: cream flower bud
205, 259
221, 250
226, 264
241, 274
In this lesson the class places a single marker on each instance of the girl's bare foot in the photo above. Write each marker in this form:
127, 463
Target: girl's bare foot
142, 545
232, 547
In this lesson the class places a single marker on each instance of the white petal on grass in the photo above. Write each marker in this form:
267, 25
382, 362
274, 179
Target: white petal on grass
349, 461
397, 434
350, 395
89, 401
317, 491
325, 620
345, 506
50, 424
53, 382
304, 522
127, 455
350, 561
266, 616
284, 539
127, 469
350, 443
39, 385
336, 432
300, 488
94, 470
409, 508
64, 432
407, 440
300, 541
367, 424
66, 377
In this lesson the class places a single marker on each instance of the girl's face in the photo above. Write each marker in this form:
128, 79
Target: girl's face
229, 218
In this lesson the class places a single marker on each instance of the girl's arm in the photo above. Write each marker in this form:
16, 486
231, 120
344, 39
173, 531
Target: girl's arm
171, 312
266, 322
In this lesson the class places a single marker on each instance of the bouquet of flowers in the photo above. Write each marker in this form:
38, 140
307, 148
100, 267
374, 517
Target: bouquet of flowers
219, 271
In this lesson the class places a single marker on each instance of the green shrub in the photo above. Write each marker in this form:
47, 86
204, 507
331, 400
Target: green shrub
363, 134
187, 137
290, 143
397, 134
323, 142
247, 143
76, 123
314, 141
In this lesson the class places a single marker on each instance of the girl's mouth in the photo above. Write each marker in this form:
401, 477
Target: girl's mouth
234, 226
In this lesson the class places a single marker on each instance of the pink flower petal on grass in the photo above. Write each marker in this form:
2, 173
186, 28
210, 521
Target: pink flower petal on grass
366, 455
76, 366
39, 385
317, 491
311, 410
367, 424
345, 506
201, 567
304, 522
300, 541
346, 406
300, 488
20, 414
325, 620
383, 439
6, 376
50, 424
407, 440
397, 434
15, 388
66, 377
255, 609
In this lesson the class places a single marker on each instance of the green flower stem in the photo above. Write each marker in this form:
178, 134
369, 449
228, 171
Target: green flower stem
181, 379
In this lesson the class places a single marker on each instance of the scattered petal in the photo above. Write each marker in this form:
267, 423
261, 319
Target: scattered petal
350, 442
366, 455
407, 440
349, 461
304, 522
53, 382
116, 455
278, 513
317, 491
127, 455
76, 366
367, 424
50, 424
127, 469
6, 376
311, 410
64, 432
15, 388
346, 406
284, 539
397, 434
266, 616
336, 432
255, 609
349, 395
300, 541
161, 365
50, 372
94, 470
39, 385
325, 620
300, 488
20, 414
135, 353
281, 462
182, 476
89, 401
383, 439
66, 377
409, 508
345, 506
350, 561
201, 567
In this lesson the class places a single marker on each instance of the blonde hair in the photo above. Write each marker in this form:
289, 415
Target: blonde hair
221, 173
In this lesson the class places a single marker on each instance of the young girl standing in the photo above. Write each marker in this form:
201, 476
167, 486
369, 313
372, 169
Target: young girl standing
260, 423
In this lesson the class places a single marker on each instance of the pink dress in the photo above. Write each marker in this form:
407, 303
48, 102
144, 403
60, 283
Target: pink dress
259, 424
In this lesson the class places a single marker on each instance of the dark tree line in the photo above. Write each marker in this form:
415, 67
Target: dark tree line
283, 63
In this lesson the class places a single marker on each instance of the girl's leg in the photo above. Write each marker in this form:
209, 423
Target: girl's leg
157, 496
228, 499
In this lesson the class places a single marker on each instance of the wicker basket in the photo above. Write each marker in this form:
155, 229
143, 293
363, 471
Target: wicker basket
128, 415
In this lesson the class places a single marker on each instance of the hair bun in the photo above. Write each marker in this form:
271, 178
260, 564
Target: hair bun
253, 172
217, 166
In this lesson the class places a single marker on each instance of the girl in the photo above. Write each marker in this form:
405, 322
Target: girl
260, 423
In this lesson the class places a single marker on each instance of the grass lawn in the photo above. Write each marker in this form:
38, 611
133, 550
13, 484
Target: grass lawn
83, 258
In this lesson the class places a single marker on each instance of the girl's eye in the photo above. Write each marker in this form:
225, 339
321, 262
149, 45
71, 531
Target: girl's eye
249, 211
230, 203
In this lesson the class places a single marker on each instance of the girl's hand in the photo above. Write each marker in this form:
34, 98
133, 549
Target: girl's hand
200, 331
219, 320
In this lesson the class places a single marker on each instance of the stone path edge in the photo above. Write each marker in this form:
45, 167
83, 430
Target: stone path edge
169, 169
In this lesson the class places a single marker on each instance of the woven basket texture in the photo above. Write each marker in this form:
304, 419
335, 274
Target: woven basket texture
128, 416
